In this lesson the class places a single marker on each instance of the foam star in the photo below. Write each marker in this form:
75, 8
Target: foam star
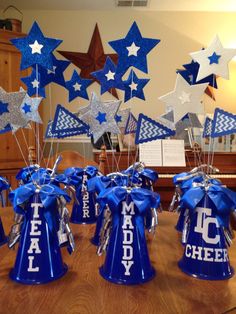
173, 99
35, 48
213, 60
100, 116
33, 83
133, 86
122, 117
77, 86
54, 75
108, 77
14, 116
184, 97
29, 107
133, 49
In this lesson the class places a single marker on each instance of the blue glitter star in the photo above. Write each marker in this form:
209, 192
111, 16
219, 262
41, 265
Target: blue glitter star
108, 77
118, 118
214, 58
77, 86
133, 50
134, 86
33, 83
26, 108
55, 75
101, 117
35, 48
3, 107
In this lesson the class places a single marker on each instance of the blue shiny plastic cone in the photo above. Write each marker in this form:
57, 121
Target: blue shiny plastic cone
96, 238
127, 260
39, 257
180, 223
3, 238
205, 255
84, 211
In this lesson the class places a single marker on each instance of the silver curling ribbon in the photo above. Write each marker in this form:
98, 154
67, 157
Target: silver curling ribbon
105, 232
15, 232
228, 236
154, 221
64, 233
186, 227
173, 201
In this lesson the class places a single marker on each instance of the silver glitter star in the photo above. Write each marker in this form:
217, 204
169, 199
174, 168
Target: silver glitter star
122, 117
29, 107
14, 116
100, 116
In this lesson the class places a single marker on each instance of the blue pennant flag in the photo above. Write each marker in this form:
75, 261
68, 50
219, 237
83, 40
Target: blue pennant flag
131, 125
223, 123
50, 134
149, 130
65, 122
207, 127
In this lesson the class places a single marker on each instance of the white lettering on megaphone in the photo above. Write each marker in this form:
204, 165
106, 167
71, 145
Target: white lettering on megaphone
34, 242
127, 212
203, 223
85, 197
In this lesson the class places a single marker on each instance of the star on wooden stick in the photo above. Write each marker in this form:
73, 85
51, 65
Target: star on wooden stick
93, 60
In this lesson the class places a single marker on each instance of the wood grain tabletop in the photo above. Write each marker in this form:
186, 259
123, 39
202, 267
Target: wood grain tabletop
83, 290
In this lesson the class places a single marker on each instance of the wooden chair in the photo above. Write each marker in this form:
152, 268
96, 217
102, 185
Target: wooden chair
75, 159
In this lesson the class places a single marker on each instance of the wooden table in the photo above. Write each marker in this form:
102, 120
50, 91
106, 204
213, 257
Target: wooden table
83, 290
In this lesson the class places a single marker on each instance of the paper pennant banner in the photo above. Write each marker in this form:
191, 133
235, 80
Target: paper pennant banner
50, 134
207, 127
133, 49
149, 130
65, 121
223, 123
35, 48
131, 125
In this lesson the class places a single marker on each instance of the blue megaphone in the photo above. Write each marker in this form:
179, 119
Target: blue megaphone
39, 257
205, 254
127, 260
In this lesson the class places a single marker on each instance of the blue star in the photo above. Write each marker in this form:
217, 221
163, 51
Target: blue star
134, 86
35, 48
101, 117
118, 118
55, 75
214, 58
190, 75
33, 84
108, 77
3, 107
77, 86
26, 108
133, 50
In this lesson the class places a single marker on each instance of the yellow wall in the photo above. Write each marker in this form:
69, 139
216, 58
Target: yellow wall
180, 34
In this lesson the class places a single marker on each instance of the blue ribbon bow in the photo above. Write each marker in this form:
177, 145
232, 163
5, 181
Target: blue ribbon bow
223, 199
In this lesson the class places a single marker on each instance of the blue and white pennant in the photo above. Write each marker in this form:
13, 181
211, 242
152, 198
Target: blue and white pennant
224, 123
149, 130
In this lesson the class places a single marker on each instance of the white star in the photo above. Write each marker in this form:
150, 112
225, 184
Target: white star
35, 83
36, 47
220, 68
182, 91
132, 50
53, 70
110, 75
133, 86
184, 97
77, 87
